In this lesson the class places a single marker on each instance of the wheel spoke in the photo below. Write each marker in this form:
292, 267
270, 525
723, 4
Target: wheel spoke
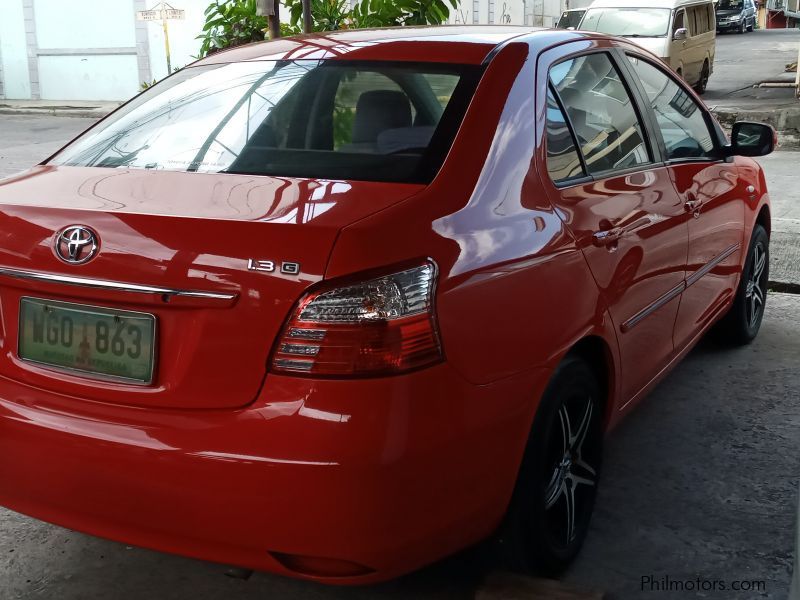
758, 295
569, 495
576, 442
577, 479
753, 310
566, 428
759, 260
579, 462
555, 489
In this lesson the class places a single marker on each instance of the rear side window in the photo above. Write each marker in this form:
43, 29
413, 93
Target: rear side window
563, 162
311, 119
680, 120
601, 112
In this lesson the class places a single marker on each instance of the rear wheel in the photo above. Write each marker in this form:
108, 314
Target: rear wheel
554, 497
740, 326
752, 25
702, 83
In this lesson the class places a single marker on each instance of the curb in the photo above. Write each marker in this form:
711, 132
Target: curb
785, 120
783, 287
56, 111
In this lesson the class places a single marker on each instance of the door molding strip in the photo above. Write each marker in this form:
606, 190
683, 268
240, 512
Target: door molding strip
678, 289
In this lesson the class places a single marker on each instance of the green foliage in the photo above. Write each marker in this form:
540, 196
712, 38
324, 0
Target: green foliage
391, 13
327, 15
234, 22
231, 23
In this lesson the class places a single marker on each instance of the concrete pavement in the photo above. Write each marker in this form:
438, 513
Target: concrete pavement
783, 175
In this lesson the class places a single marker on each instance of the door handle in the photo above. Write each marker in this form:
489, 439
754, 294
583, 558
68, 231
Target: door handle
692, 204
608, 237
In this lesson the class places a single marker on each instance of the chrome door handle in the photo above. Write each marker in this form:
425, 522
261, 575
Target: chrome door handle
608, 237
692, 205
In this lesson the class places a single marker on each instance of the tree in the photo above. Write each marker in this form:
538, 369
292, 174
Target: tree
235, 22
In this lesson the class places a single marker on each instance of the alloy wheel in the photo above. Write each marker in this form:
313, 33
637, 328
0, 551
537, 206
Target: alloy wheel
756, 285
574, 456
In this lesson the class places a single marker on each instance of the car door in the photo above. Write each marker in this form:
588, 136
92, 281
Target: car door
711, 190
692, 47
677, 47
602, 176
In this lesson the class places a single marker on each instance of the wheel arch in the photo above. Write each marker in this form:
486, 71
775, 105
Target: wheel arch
764, 218
598, 355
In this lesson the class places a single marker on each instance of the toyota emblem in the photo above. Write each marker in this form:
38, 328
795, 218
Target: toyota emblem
76, 244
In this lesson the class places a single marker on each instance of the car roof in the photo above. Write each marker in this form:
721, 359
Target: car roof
645, 3
453, 44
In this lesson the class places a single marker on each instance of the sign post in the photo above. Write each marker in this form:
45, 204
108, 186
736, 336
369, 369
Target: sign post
163, 12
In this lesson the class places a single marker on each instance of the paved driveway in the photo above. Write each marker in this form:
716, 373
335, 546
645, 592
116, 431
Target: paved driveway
700, 485
747, 59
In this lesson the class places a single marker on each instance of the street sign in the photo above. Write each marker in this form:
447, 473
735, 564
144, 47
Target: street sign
161, 12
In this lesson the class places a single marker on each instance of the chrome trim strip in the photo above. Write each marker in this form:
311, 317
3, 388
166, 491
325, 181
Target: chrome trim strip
132, 288
678, 289
709, 266
654, 306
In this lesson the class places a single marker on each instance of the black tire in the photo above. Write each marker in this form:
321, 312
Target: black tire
740, 326
741, 28
559, 470
702, 83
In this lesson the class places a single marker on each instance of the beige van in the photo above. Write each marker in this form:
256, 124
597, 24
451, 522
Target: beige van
682, 32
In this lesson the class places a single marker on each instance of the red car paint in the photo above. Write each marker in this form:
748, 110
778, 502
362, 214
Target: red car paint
351, 480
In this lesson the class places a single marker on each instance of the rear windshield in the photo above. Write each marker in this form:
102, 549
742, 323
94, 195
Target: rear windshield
628, 22
310, 119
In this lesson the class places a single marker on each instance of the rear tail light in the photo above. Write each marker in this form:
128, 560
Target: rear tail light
381, 326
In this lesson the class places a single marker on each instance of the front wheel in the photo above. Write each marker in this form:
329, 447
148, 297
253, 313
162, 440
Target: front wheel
740, 326
741, 28
552, 505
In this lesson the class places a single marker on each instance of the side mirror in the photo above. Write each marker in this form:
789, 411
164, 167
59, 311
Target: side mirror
680, 34
752, 139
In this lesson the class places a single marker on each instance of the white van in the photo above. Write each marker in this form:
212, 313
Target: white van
682, 32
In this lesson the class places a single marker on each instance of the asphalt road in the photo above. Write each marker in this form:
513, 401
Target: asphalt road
749, 58
700, 483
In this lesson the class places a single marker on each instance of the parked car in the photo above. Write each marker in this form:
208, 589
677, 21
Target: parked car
570, 19
680, 32
736, 15
335, 307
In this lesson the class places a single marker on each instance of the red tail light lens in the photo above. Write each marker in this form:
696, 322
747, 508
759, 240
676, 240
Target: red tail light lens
382, 326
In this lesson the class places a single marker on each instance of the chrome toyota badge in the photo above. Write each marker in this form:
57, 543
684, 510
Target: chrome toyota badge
76, 244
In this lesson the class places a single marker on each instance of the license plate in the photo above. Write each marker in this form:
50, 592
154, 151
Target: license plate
97, 342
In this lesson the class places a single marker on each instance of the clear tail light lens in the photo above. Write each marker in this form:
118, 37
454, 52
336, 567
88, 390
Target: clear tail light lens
382, 326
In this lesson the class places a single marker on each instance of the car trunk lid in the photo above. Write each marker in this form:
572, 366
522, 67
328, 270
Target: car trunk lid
219, 260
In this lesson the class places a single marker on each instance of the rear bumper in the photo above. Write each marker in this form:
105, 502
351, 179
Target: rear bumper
386, 474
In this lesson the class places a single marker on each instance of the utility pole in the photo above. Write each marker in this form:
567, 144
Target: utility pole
270, 9
308, 21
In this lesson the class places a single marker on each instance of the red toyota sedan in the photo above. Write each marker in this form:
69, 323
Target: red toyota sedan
338, 306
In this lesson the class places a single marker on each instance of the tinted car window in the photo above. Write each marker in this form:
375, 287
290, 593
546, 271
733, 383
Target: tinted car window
680, 119
600, 109
563, 162
316, 119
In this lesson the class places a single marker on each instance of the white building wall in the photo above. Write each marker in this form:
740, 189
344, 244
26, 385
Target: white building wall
182, 37
540, 13
97, 50
13, 51
85, 52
